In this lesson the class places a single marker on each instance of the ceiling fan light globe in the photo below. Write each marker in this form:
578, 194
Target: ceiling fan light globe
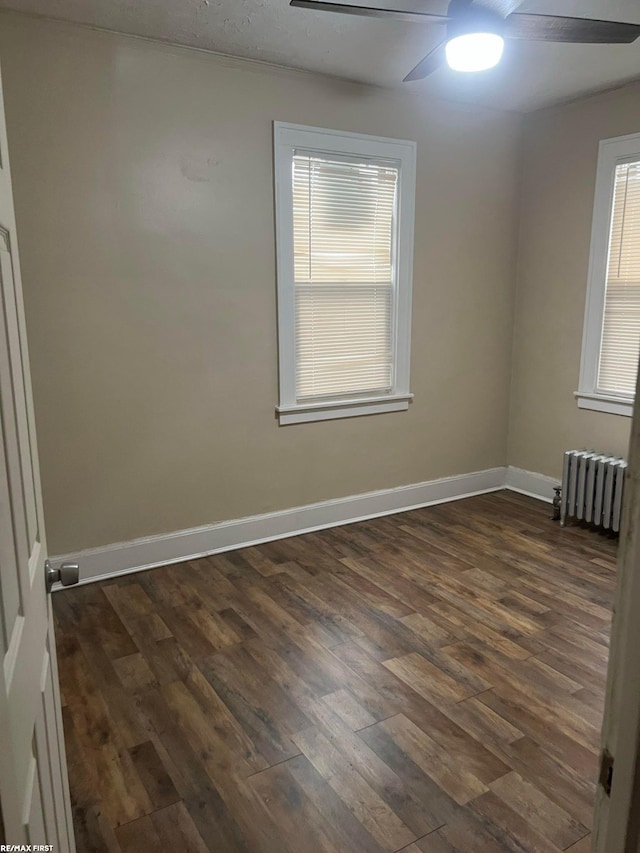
470, 52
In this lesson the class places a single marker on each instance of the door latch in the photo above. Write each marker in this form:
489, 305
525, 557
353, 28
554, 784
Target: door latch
68, 574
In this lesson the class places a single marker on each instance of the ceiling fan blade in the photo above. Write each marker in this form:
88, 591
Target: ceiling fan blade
431, 62
371, 11
573, 30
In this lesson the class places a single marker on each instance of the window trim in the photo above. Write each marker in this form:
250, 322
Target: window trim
611, 152
287, 138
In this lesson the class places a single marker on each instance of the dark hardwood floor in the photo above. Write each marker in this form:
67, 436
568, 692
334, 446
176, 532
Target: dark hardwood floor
431, 681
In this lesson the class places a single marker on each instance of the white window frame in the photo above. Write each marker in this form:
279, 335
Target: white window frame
287, 138
611, 153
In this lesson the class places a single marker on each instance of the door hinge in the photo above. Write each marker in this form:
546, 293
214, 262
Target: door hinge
606, 771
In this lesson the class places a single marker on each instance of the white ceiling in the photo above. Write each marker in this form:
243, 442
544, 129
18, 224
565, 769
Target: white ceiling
530, 75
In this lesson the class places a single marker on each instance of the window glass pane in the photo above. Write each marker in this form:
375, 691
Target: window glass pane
620, 346
344, 236
343, 339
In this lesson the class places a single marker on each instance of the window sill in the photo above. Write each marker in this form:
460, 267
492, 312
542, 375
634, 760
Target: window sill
305, 413
603, 403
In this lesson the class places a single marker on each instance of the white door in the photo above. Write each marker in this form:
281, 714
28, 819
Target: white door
33, 779
617, 818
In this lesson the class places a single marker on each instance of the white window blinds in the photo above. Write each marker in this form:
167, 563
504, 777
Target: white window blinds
344, 215
620, 344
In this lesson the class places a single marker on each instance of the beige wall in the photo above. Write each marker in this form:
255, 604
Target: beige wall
144, 200
558, 181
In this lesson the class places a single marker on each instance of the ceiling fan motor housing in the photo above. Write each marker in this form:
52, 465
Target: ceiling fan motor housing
468, 17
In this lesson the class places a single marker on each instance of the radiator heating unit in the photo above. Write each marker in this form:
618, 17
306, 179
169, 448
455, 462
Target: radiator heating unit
592, 488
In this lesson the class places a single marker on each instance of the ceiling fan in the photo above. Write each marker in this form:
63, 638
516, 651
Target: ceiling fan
476, 30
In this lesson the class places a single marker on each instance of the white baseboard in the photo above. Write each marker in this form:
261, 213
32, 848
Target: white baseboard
529, 483
152, 551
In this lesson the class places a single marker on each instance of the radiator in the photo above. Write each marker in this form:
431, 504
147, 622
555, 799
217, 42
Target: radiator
592, 487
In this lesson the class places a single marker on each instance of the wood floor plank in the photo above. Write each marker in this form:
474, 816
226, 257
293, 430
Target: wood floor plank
438, 806
177, 830
429, 682
523, 833
520, 692
292, 809
122, 712
582, 846
153, 775
107, 766
430, 631
352, 833
292, 676
222, 744
515, 709
481, 722
183, 763
424, 714
401, 589
538, 810
433, 843
459, 782
567, 788
503, 639
134, 672
373, 813
215, 822
295, 605
138, 835
92, 616
390, 787
347, 708
265, 712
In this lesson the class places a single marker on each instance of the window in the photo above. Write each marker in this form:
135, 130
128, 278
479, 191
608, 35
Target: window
611, 342
344, 230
